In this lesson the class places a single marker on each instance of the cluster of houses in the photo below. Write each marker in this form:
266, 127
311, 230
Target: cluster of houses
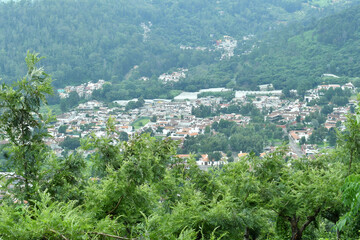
314, 94
84, 90
174, 119
227, 45
147, 29
174, 76
183, 47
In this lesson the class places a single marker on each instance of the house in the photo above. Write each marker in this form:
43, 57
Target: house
274, 117
298, 134
309, 149
348, 85
263, 154
311, 97
242, 155
329, 125
327, 87
203, 161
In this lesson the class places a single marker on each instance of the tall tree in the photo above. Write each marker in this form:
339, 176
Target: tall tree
350, 138
23, 124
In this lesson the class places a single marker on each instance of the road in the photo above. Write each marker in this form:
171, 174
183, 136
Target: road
294, 146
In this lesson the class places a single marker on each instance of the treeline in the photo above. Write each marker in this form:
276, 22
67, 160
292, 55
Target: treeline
227, 136
227, 95
247, 109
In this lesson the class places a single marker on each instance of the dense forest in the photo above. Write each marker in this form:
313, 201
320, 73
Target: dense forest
89, 40
298, 56
140, 190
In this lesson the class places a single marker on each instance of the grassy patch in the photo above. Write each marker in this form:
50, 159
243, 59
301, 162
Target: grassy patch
140, 122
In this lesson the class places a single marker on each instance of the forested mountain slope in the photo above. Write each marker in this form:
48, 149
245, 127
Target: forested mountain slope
297, 57
91, 39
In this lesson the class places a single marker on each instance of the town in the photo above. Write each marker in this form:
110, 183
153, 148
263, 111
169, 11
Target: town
176, 118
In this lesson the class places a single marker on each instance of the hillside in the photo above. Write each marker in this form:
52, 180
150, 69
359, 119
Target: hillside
297, 57
87, 40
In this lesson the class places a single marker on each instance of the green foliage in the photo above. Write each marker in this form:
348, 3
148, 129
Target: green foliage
320, 118
133, 105
343, 28
318, 135
309, 51
215, 156
228, 95
70, 102
124, 188
247, 110
332, 137
348, 141
108, 150
23, 124
350, 138
327, 109
70, 143
65, 178
245, 199
62, 129
202, 111
349, 222
153, 118
230, 136
123, 136
53, 220
298, 194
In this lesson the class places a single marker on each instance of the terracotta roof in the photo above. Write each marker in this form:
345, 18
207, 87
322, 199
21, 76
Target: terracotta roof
205, 158
242, 154
183, 155
182, 133
294, 135
263, 154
